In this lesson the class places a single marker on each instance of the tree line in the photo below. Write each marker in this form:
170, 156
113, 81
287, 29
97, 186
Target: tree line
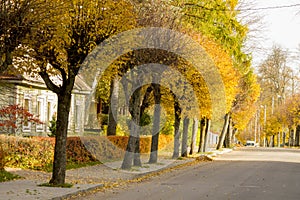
54, 38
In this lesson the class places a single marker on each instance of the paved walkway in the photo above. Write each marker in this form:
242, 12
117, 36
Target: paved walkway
84, 179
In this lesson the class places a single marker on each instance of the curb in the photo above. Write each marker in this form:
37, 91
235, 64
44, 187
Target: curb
77, 192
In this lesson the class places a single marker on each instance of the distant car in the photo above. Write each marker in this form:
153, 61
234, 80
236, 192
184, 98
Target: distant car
251, 143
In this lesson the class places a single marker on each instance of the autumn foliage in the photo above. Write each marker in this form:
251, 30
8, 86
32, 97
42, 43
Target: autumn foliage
37, 152
14, 116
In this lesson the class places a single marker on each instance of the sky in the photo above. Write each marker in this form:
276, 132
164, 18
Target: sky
281, 27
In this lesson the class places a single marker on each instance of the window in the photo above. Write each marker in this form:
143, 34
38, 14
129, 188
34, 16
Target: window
77, 117
40, 111
27, 105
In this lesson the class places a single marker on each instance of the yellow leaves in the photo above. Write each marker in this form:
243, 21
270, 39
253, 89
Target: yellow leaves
232, 4
225, 65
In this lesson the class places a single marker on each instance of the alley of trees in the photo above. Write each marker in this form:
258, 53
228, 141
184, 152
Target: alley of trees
54, 38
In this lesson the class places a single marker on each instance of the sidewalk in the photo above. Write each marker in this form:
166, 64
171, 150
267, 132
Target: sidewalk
84, 179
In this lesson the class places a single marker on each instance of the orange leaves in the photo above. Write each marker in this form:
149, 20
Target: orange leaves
13, 116
145, 142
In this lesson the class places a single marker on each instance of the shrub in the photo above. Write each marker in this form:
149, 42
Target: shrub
37, 152
168, 128
103, 119
3, 156
77, 152
145, 119
28, 153
13, 117
145, 142
52, 127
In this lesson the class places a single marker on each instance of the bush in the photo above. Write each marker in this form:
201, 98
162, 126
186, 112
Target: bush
28, 153
37, 152
103, 119
52, 127
77, 152
3, 156
145, 142
168, 128
145, 119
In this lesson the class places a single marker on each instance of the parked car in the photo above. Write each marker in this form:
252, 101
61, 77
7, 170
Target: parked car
251, 143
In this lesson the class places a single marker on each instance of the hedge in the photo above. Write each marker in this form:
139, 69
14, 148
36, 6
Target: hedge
145, 142
37, 152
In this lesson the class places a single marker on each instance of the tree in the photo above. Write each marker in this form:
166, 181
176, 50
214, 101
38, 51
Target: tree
186, 123
218, 20
16, 20
194, 135
59, 47
276, 79
275, 74
13, 117
245, 105
113, 108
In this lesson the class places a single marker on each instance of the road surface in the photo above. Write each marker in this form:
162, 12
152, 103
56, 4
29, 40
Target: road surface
251, 173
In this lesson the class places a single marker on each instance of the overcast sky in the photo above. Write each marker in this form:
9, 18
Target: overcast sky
282, 26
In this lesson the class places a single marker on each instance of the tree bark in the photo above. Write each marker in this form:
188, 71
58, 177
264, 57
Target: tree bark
113, 108
234, 132
229, 135
278, 139
60, 159
132, 150
136, 157
207, 131
177, 113
194, 135
156, 124
294, 135
297, 140
202, 135
146, 100
186, 123
223, 133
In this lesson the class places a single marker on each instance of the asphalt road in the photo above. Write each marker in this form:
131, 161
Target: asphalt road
253, 173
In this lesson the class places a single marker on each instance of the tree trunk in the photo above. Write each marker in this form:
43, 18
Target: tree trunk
234, 132
177, 114
194, 135
223, 133
283, 139
156, 124
294, 136
267, 142
207, 132
228, 135
146, 100
186, 123
132, 151
202, 135
137, 158
60, 159
113, 108
297, 140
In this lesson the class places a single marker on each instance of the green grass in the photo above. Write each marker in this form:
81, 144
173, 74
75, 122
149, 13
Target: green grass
7, 176
74, 165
